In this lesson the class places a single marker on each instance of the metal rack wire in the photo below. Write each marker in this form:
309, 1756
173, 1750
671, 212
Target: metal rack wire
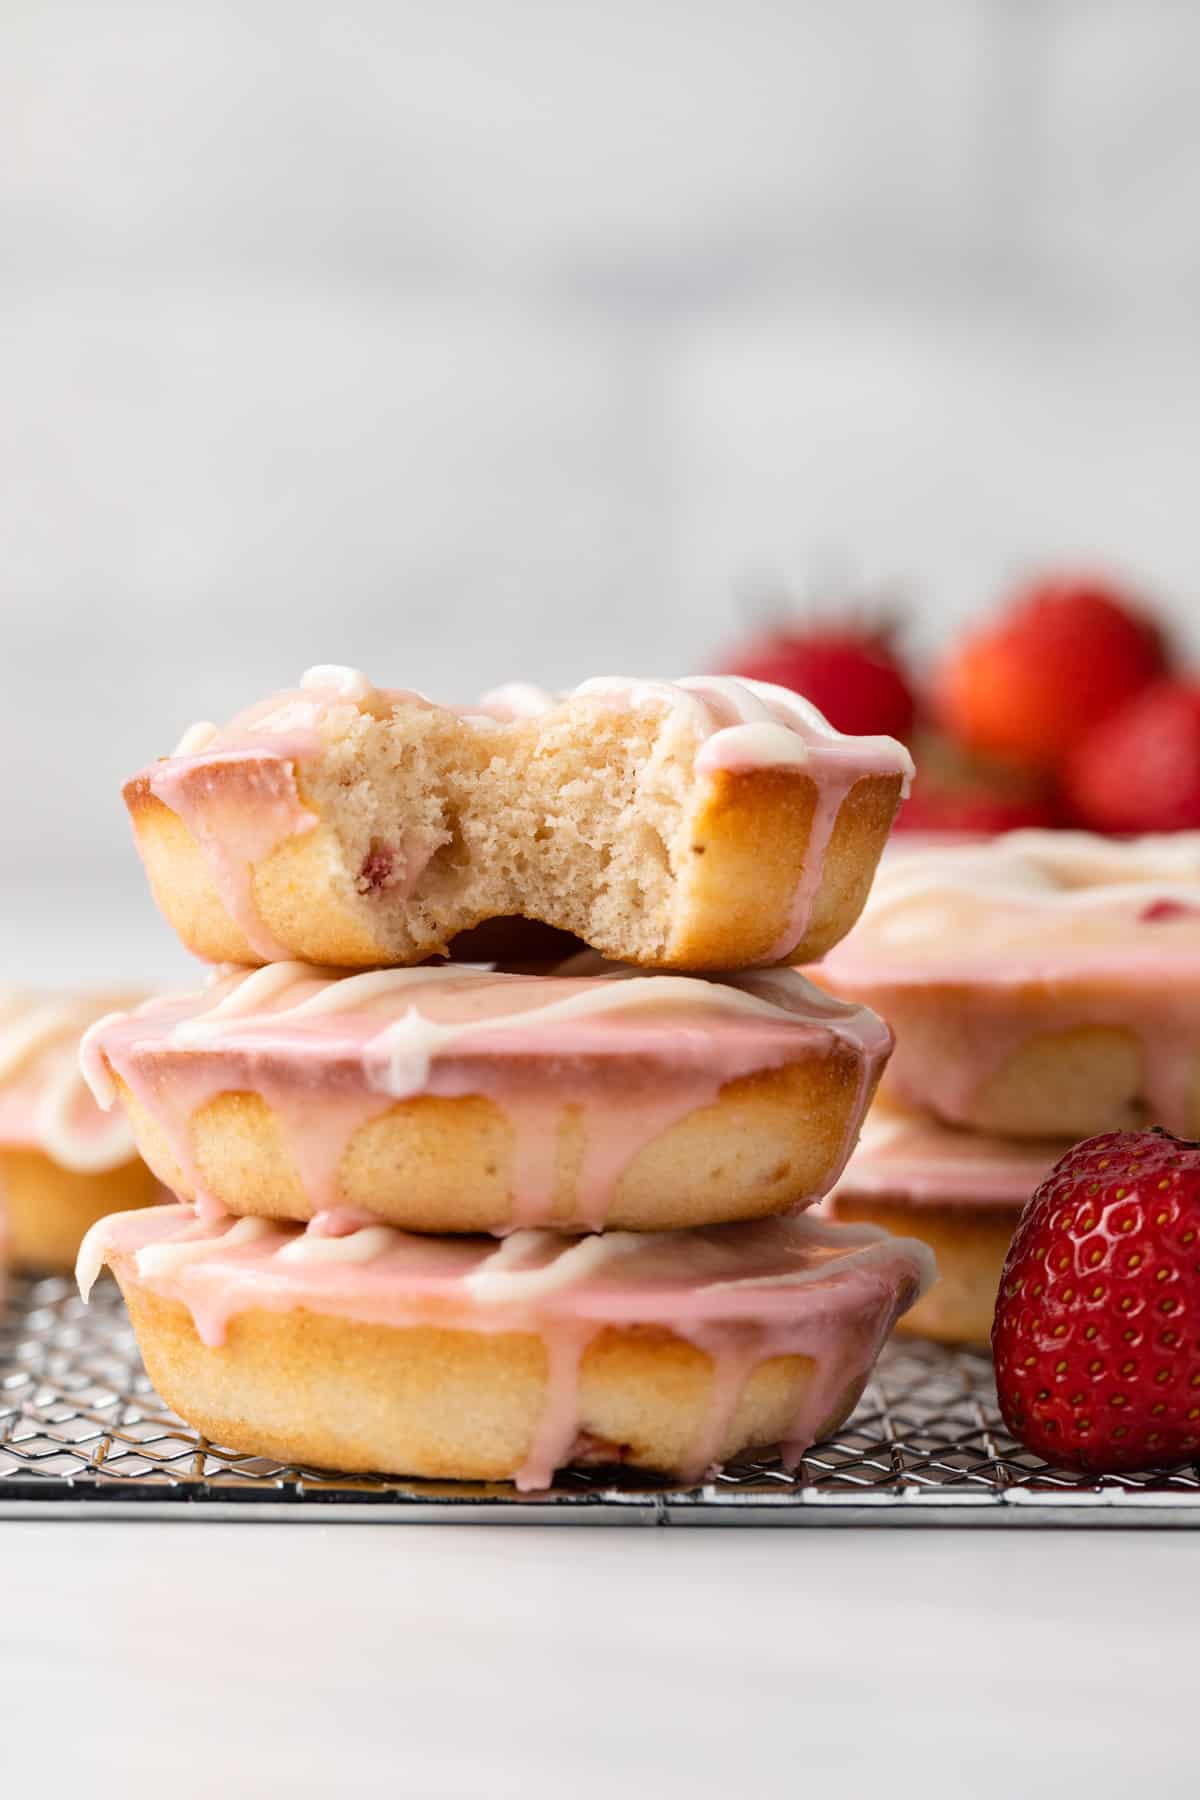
82, 1433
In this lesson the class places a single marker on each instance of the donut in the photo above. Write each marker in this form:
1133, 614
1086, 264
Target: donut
63, 1165
459, 1099
468, 1358
1043, 985
959, 1192
701, 824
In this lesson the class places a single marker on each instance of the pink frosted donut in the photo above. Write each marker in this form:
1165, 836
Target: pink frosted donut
63, 1165
464, 1358
1045, 984
707, 823
959, 1192
460, 1099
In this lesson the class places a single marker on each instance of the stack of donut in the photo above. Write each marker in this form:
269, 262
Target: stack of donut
460, 1220
63, 1165
1043, 987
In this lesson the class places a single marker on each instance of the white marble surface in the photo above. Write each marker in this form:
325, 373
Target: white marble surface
439, 1661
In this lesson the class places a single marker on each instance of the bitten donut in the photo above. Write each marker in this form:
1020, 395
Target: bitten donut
708, 823
466, 1359
960, 1193
459, 1099
63, 1165
1045, 984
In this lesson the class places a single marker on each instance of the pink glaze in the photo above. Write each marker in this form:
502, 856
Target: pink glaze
830, 796
632, 1053
44, 1102
239, 805
241, 814
971, 950
918, 1162
743, 1293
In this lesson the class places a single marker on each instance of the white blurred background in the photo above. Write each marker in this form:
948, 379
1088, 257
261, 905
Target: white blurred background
478, 340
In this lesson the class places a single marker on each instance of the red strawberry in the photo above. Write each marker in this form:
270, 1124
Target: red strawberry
1097, 1333
1140, 769
850, 674
957, 792
1063, 656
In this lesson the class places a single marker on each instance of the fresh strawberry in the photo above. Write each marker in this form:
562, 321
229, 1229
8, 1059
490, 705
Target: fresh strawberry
850, 674
1140, 769
1061, 658
1097, 1333
956, 792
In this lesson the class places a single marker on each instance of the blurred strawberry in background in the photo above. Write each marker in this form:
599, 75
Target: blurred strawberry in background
1063, 709
956, 791
1062, 657
851, 672
1140, 769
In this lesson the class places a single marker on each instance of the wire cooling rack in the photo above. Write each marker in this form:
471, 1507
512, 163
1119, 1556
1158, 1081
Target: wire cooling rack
83, 1434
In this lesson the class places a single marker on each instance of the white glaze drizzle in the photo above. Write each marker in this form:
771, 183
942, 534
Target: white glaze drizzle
401, 1052
741, 722
62, 1143
360, 990
158, 1260
766, 726
342, 995
339, 678
360, 1246
93, 1067
38, 1036
498, 1283
516, 700
873, 1245
512, 1274
252, 991
196, 738
36, 1025
93, 1253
